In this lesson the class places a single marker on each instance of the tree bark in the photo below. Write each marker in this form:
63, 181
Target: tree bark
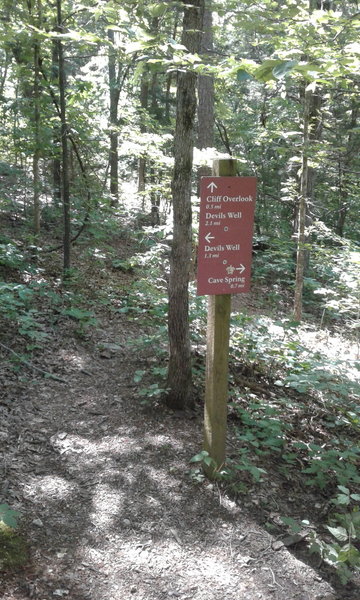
56, 162
148, 89
114, 136
302, 210
36, 155
65, 187
4, 72
169, 77
144, 99
206, 96
344, 162
179, 380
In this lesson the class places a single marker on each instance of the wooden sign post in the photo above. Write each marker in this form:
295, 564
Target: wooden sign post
224, 261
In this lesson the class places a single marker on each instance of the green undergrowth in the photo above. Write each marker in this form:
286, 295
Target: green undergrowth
332, 278
295, 408
31, 310
33, 296
146, 303
13, 547
294, 404
34, 306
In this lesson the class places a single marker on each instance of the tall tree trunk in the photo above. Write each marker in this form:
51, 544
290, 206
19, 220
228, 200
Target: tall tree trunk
311, 132
31, 91
15, 129
36, 155
4, 72
206, 95
154, 197
315, 132
155, 112
147, 93
342, 202
302, 209
169, 80
56, 162
179, 380
144, 99
114, 136
344, 163
65, 187
169, 77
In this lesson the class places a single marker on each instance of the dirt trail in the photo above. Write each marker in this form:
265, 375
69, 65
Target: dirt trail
108, 506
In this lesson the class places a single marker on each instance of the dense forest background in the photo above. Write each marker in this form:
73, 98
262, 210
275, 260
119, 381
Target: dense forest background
101, 151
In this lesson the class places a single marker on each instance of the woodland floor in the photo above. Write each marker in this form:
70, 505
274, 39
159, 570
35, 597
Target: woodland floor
108, 509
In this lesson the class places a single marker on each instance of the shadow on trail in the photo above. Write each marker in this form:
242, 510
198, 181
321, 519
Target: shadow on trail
111, 512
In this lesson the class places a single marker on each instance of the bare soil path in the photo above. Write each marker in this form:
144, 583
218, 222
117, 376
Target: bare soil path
108, 507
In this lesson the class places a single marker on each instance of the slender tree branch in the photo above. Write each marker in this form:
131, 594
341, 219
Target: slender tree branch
224, 136
81, 165
31, 366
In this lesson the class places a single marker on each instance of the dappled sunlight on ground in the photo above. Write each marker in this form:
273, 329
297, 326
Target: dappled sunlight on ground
107, 503
332, 345
50, 486
112, 512
73, 359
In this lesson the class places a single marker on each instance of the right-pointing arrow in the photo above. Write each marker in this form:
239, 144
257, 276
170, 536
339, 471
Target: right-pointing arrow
241, 269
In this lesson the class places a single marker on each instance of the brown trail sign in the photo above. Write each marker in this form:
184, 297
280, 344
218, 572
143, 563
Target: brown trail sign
227, 207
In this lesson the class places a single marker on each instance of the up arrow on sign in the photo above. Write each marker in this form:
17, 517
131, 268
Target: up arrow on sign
212, 185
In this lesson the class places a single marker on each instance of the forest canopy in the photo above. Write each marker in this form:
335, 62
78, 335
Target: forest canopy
110, 113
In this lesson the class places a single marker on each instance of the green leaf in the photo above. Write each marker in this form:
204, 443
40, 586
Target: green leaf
255, 472
243, 75
8, 516
200, 457
25, 294
78, 313
139, 375
342, 499
265, 71
138, 46
292, 524
309, 71
175, 45
339, 533
350, 555
157, 9
280, 70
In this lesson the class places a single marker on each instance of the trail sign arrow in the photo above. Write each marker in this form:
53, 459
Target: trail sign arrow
241, 269
209, 237
212, 185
